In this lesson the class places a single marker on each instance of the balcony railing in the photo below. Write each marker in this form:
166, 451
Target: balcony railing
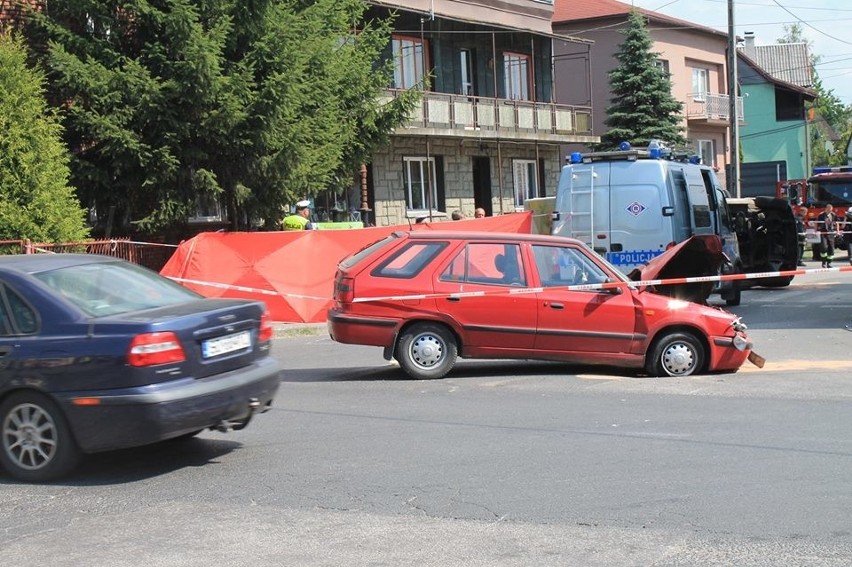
712, 107
483, 117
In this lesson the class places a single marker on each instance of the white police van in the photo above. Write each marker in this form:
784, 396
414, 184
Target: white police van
631, 205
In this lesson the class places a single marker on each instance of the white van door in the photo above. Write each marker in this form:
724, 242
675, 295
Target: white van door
639, 229
582, 201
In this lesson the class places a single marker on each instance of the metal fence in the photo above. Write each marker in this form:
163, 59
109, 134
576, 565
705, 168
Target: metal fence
148, 254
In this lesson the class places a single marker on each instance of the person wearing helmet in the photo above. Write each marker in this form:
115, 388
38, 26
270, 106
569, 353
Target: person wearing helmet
301, 219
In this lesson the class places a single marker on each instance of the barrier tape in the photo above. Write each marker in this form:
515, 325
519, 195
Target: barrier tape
527, 290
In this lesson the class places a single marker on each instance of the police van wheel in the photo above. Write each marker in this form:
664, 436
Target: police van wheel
734, 295
675, 354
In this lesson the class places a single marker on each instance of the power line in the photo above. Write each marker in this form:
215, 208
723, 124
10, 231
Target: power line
803, 22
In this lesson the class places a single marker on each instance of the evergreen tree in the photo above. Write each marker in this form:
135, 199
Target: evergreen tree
642, 106
254, 103
36, 201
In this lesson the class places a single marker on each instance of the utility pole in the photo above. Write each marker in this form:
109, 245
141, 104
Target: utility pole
734, 130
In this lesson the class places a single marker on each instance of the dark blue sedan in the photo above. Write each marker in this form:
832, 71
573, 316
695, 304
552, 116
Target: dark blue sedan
99, 354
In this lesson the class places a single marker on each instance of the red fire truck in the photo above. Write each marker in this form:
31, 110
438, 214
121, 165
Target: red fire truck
810, 196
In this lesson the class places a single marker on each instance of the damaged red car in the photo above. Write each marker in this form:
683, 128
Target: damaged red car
429, 297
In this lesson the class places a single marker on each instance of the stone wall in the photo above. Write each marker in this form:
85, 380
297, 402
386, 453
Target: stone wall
457, 161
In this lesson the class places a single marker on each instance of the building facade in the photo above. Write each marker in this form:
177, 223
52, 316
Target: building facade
694, 56
775, 139
488, 129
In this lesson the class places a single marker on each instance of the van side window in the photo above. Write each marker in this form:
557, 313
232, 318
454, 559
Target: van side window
409, 260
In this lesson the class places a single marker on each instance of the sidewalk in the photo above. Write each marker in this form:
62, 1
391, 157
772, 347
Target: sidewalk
284, 329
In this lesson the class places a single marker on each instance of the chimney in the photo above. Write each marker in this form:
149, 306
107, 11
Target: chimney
749, 43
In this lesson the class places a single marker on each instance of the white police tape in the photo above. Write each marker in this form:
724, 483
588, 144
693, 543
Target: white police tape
528, 290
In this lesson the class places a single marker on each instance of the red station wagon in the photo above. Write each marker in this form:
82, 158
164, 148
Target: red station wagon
429, 297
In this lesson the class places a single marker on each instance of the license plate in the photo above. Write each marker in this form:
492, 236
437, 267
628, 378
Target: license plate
226, 344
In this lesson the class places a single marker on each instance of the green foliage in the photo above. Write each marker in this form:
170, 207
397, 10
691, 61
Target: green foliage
642, 106
36, 201
257, 103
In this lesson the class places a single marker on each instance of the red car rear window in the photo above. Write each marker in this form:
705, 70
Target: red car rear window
367, 251
409, 260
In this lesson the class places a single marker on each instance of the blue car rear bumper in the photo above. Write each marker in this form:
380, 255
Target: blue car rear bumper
116, 419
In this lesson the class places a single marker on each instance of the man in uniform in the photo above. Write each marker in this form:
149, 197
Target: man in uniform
827, 223
301, 219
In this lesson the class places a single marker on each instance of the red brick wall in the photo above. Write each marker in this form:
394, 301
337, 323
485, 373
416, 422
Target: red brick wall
12, 10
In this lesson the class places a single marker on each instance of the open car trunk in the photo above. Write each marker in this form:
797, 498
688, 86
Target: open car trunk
697, 256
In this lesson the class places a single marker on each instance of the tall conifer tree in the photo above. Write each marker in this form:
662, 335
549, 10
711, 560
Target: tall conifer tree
36, 201
251, 103
642, 106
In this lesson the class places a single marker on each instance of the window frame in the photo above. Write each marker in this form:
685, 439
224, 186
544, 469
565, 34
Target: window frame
517, 75
430, 171
530, 184
702, 143
419, 61
467, 73
206, 203
700, 83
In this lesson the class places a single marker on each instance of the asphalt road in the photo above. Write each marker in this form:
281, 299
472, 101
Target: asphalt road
501, 463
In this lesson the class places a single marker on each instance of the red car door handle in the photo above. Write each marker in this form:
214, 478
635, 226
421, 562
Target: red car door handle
454, 299
557, 306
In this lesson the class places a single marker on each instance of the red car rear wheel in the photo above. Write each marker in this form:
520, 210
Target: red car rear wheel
426, 351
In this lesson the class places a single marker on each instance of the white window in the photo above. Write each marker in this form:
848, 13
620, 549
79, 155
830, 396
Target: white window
706, 151
525, 173
207, 209
700, 83
466, 69
662, 65
516, 76
420, 187
409, 57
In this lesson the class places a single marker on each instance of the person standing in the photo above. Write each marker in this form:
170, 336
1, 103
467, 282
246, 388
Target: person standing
479, 213
301, 219
457, 215
827, 223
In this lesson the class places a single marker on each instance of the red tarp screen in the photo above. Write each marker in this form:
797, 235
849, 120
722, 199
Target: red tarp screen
293, 272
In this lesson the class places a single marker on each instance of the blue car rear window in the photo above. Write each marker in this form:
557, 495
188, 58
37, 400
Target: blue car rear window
102, 289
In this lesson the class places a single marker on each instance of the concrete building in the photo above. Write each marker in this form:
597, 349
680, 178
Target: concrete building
488, 130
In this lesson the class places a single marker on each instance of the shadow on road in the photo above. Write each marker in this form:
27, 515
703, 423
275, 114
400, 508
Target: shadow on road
463, 369
131, 465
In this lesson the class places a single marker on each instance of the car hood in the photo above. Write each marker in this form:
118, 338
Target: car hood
697, 256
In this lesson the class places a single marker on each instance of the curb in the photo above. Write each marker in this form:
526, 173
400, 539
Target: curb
283, 329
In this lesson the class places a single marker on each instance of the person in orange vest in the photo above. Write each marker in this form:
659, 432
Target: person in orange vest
301, 219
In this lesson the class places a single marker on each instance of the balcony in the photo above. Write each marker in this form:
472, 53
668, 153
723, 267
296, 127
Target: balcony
713, 109
460, 116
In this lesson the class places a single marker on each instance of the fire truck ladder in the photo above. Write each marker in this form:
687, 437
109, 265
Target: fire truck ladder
581, 192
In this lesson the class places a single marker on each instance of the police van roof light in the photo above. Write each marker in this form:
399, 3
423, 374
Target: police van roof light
624, 146
575, 157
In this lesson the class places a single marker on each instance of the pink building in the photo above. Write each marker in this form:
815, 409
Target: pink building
694, 55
